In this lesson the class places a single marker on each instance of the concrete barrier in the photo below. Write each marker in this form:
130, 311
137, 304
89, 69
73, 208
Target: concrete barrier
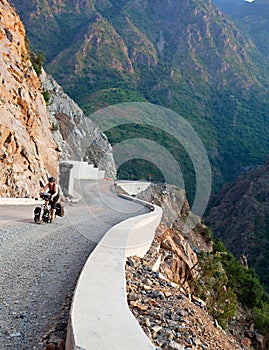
133, 187
71, 170
100, 317
20, 201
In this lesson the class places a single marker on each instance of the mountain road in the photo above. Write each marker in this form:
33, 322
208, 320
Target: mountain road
40, 264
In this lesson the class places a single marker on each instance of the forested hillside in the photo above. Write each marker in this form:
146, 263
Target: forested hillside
184, 55
252, 18
239, 216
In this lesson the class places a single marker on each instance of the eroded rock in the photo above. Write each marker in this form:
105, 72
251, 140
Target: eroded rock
28, 153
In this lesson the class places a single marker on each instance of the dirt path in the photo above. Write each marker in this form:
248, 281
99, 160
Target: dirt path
39, 264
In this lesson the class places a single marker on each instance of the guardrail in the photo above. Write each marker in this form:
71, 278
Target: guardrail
100, 318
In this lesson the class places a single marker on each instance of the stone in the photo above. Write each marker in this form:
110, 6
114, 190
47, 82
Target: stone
175, 346
60, 326
15, 334
198, 301
216, 324
138, 305
246, 342
167, 293
130, 261
147, 282
147, 287
133, 297
147, 322
153, 302
260, 340
156, 329
54, 339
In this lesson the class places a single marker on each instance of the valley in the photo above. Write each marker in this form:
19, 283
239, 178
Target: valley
197, 63
205, 62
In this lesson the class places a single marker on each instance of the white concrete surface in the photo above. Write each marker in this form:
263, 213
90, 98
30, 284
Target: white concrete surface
133, 187
20, 201
100, 317
82, 171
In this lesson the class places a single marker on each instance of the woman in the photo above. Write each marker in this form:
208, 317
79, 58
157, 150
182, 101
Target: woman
53, 189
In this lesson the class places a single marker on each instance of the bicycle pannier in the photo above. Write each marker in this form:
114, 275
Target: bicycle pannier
59, 209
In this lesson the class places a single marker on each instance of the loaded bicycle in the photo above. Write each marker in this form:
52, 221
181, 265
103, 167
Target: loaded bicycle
42, 213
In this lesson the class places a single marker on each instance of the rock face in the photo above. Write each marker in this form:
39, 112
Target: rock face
30, 146
28, 152
77, 136
177, 251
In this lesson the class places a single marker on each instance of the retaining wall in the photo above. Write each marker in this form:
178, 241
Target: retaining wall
100, 318
72, 170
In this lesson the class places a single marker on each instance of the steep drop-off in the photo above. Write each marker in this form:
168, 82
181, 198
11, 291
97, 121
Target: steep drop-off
239, 216
180, 288
252, 17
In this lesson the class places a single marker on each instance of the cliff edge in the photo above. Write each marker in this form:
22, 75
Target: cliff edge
28, 152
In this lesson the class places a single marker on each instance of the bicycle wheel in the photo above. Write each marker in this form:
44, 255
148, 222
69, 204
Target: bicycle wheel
37, 215
46, 216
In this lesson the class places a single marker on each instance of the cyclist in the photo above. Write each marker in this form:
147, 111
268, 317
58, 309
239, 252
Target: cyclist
53, 189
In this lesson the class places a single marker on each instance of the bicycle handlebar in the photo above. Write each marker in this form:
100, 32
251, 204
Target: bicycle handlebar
45, 196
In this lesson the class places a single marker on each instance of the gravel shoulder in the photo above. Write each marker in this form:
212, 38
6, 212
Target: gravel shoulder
40, 264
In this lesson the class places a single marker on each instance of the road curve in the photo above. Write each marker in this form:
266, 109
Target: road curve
39, 264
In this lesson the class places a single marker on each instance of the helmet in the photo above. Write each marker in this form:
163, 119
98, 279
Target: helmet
51, 179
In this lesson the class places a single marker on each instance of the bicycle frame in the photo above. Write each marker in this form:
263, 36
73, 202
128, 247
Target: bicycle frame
45, 212
42, 214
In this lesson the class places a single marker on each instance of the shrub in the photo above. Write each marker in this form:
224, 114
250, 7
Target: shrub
37, 62
212, 287
261, 319
55, 127
246, 285
46, 96
223, 281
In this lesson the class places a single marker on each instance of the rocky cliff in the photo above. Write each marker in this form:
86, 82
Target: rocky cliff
34, 136
251, 17
77, 136
28, 152
180, 249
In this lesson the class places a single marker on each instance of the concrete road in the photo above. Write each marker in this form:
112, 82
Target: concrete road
39, 264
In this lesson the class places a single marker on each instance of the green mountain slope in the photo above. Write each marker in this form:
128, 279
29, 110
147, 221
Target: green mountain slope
239, 216
252, 18
184, 55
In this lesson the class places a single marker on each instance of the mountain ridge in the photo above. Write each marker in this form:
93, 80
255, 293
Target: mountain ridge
186, 56
251, 18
